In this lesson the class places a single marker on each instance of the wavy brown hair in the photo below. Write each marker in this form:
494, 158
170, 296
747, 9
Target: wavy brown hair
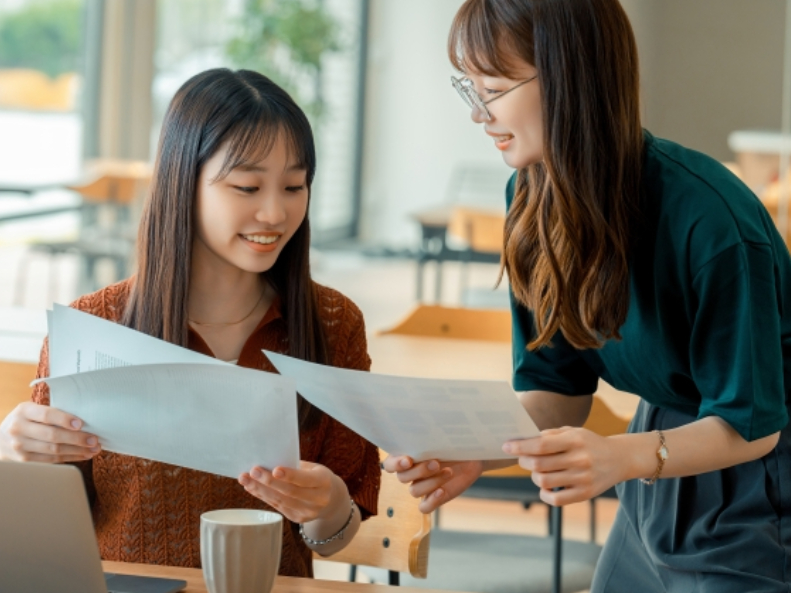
570, 227
249, 111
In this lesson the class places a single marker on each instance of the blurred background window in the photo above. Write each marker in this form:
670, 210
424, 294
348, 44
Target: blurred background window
41, 123
312, 48
41, 44
403, 175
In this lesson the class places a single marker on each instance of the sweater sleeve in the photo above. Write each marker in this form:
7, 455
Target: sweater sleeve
40, 396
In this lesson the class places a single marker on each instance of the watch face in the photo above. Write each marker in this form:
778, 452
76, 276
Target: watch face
662, 453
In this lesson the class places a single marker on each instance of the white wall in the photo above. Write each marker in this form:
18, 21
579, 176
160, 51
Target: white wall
416, 126
709, 67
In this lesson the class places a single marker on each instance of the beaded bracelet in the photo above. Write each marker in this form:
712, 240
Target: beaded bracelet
332, 538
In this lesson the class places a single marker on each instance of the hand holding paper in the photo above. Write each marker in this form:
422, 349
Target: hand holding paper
302, 494
151, 399
32, 432
421, 418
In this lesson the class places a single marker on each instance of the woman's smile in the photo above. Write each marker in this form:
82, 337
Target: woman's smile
501, 141
262, 242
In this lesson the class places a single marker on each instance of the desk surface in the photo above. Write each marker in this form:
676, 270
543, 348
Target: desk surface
444, 358
195, 583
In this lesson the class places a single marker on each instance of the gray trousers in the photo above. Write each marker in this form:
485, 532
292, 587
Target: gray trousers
727, 531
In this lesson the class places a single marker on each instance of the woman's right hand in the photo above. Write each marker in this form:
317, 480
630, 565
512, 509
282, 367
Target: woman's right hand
436, 482
32, 432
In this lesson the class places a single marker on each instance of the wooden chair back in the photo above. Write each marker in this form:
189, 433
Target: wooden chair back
396, 539
602, 420
481, 229
114, 181
15, 378
435, 321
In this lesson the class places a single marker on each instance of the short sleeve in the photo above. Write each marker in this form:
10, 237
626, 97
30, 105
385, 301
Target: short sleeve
40, 393
40, 396
735, 348
558, 368
351, 457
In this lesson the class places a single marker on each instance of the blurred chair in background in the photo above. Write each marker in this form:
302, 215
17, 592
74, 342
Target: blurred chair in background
452, 322
481, 231
22, 88
474, 188
111, 195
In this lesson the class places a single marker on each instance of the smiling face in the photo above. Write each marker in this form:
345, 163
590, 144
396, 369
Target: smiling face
245, 219
516, 117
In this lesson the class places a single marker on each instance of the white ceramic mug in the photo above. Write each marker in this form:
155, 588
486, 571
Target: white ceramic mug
240, 550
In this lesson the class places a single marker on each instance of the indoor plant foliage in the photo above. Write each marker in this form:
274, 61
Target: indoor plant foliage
285, 40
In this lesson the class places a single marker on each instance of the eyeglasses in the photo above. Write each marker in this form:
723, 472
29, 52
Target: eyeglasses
471, 97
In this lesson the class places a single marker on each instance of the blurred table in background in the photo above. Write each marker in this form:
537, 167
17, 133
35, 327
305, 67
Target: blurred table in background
478, 230
471, 214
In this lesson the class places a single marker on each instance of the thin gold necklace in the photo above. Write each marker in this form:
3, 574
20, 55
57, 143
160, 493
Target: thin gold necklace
258, 302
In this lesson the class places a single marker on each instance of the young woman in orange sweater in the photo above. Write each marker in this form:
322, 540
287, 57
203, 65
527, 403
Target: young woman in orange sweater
222, 269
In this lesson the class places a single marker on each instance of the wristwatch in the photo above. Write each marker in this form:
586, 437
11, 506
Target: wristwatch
661, 456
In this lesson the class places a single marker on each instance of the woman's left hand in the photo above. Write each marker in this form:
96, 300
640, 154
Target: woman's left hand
570, 464
301, 495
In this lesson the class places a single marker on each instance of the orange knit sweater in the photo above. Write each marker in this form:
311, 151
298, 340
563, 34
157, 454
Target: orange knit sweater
149, 512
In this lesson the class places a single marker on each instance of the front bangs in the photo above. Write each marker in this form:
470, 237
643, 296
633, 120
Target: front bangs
477, 41
252, 139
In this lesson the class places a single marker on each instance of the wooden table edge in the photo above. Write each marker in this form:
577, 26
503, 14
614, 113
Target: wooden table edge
195, 583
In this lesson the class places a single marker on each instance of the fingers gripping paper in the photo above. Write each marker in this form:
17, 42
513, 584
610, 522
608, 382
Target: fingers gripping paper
422, 418
148, 398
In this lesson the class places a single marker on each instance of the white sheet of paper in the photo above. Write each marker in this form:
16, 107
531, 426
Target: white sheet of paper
80, 342
423, 418
218, 419
148, 398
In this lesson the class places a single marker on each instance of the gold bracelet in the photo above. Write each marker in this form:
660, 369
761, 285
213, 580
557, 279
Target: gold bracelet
661, 456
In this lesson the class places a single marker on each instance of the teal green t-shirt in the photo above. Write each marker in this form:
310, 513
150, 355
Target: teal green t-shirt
708, 330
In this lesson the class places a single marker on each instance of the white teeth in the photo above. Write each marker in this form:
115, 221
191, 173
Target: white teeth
261, 239
503, 138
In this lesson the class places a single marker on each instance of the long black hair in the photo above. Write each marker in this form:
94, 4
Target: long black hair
249, 112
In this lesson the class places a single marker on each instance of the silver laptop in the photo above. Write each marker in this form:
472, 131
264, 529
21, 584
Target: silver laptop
47, 542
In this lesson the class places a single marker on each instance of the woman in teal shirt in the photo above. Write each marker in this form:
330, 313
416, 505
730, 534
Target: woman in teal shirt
649, 265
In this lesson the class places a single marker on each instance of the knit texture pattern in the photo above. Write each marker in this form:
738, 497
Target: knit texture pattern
149, 512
